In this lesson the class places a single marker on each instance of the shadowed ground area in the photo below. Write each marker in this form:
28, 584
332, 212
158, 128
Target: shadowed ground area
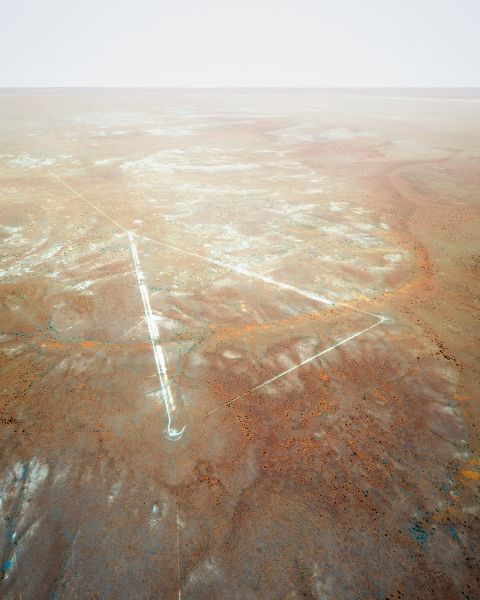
239, 345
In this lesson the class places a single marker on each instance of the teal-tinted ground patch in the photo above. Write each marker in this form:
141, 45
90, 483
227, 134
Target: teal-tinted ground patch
418, 534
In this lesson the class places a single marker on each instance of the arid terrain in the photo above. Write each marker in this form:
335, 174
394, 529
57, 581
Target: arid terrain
239, 345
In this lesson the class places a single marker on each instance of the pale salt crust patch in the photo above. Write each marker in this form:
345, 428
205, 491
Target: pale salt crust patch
21, 482
305, 132
393, 258
226, 191
181, 130
154, 163
27, 161
231, 355
106, 162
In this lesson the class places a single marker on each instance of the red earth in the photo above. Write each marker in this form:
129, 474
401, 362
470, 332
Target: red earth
239, 345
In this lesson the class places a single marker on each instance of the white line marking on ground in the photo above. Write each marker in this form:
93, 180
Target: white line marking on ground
304, 362
241, 270
87, 201
264, 278
162, 373
158, 353
285, 286
142, 320
179, 573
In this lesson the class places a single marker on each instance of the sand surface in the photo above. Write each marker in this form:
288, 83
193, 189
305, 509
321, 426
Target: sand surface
239, 339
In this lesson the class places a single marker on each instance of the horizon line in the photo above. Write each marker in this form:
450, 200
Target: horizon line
261, 87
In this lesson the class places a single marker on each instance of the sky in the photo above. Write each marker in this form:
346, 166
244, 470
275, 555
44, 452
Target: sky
242, 43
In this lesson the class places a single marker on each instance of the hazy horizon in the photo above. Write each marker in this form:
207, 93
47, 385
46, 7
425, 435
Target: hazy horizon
342, 44
246, 87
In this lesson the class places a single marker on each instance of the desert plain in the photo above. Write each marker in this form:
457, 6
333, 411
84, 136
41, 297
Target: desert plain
239, 339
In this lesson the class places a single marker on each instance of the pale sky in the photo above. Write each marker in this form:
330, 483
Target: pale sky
183, 43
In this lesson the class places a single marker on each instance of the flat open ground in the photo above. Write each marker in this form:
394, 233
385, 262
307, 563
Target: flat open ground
239, 345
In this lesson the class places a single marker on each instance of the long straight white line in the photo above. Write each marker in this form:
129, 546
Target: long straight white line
264, 278
285, 286
295, 367
179, 570
160, 361
79, 195
158, 353
223, 265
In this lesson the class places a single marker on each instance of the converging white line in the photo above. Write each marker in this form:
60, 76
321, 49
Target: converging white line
88, 201
264, 278
160, 360
304, 362
218, 263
